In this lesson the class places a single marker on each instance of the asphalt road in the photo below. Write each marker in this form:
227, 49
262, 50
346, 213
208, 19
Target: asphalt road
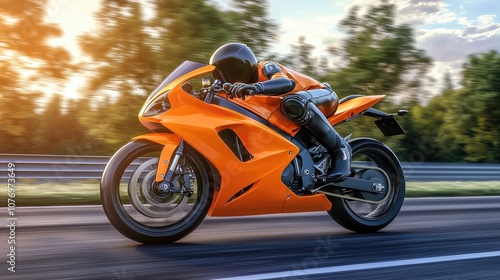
438, 238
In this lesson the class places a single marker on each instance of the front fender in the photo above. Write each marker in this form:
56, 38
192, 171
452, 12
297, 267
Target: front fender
170, 143
160, 138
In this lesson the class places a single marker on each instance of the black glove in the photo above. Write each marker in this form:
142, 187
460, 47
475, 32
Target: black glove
240, 90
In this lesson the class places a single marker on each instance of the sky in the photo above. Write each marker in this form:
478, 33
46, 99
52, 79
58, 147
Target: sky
446, 30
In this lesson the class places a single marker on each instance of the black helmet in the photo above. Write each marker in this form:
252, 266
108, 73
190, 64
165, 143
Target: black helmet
234, 62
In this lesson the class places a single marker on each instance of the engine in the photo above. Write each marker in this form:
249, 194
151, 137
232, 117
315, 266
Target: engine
303, 171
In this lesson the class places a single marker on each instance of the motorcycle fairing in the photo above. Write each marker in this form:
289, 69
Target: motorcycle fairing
247, 187
243, 183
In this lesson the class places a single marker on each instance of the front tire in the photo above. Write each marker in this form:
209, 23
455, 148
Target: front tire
365, 217
136, 208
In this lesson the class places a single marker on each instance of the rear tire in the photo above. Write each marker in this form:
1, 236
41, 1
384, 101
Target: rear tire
365, 217
135, 207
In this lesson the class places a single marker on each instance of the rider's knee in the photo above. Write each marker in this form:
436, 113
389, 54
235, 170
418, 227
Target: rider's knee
294, 107
326, 100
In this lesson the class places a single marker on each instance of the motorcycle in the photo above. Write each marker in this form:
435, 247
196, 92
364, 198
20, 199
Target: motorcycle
210, 154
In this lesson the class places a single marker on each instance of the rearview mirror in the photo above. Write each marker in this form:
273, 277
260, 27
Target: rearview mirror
205, 81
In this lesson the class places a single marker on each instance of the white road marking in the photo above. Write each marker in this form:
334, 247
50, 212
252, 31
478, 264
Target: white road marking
365, 266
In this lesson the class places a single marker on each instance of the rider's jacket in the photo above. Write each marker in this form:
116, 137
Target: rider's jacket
277, 79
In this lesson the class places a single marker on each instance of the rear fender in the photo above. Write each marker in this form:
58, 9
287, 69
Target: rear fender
170, 143
353, 108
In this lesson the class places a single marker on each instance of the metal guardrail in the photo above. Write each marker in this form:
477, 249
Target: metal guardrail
58, 167
73, 167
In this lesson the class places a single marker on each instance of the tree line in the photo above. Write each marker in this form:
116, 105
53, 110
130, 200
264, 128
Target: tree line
129, 53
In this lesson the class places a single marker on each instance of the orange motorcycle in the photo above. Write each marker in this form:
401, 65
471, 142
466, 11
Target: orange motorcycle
210, 154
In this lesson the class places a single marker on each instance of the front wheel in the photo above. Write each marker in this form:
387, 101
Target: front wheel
372, 160
139, 209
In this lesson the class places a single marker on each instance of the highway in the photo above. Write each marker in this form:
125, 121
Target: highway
432, 238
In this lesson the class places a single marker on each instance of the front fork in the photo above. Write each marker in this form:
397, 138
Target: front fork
167, 172
165, 180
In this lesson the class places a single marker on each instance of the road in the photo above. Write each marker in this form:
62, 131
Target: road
432, 238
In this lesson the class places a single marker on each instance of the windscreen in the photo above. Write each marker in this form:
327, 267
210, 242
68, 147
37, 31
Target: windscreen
185, 67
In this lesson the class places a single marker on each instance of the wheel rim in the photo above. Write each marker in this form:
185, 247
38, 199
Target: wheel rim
142, 206
379, 158
145, 197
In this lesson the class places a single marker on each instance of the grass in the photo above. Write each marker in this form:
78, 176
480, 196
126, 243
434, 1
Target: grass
74, 193
449, 188
87, 193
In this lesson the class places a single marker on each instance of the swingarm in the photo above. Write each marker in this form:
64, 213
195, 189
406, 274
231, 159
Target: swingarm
370, 185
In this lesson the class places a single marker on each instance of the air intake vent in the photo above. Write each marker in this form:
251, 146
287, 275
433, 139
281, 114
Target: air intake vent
241, 192
235, 145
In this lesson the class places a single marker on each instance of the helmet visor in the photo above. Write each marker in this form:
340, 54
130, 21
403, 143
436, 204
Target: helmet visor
232, 73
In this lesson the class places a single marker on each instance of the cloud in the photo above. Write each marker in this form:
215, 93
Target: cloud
444, 33
318, 31
419, 7
449, 36
443, 44
417, 12
446, 44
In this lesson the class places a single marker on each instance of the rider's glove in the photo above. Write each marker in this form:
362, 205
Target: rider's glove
240, 89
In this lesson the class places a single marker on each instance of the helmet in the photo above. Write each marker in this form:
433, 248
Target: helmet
234, 62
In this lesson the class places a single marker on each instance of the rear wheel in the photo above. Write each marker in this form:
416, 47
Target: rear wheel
378, 164
142, 211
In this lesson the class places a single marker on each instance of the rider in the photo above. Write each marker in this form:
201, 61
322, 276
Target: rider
306, 102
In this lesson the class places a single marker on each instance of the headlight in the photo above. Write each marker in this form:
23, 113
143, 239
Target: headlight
157, 106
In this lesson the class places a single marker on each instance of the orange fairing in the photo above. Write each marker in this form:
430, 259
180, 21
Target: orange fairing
354, 107
247, 187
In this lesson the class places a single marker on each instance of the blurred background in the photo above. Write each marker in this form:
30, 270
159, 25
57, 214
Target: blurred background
74, 74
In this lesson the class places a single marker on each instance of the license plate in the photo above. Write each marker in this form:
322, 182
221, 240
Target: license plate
389, 126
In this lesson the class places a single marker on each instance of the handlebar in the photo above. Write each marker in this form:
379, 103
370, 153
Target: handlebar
217, 87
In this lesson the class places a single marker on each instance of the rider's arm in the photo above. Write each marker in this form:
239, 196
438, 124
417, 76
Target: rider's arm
278, 82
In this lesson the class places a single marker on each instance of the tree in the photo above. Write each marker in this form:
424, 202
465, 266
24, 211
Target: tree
251, 25
423, 127
120, 49
51, 131
123, 65
26, 58
470, 125
26, 35
301, 58
380, 56
19, 122
448, 84
187, 30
